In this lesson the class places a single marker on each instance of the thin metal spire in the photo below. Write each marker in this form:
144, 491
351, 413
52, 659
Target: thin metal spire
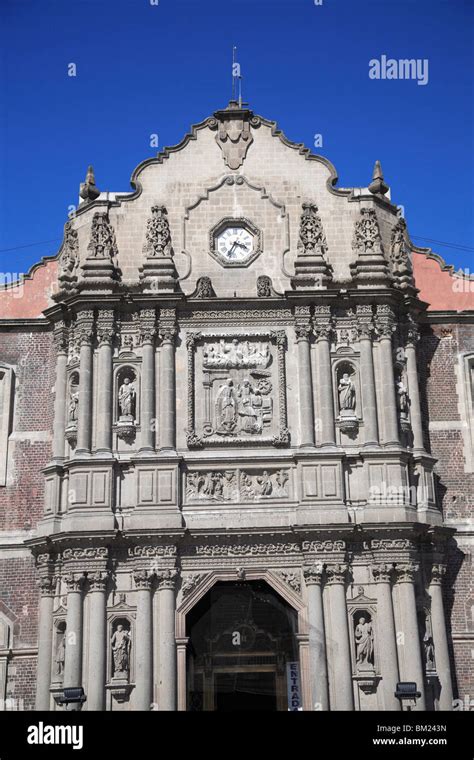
236, 75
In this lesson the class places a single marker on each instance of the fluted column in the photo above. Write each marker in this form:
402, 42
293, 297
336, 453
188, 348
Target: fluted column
85, 326
409, 643
167, 380
144, 641
325, 397
60, 391
339, 634
305, 385
97, 640
369, 399
440, 639
105, 334
147, 413
317, 638
385, 327
168, 671
386, 639
73, 654
45, 643
413, 386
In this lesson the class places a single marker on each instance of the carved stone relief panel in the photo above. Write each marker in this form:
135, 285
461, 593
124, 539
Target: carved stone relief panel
236, 389
237, 485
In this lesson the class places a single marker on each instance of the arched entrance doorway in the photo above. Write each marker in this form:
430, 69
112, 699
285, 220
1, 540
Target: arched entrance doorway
242, 651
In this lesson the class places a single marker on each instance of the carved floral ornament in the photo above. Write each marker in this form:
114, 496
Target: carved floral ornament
158, 234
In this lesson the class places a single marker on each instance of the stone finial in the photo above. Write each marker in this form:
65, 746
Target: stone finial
378, 186
89, 190
370, 267
158, 273
311, 267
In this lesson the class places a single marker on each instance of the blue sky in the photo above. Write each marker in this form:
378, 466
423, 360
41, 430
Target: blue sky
144, 69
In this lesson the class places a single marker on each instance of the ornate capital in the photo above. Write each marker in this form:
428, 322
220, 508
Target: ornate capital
74, 582
105, 328
98, 580
46, 585
60, 337
85, 327
303, 331
313, 574
166, 578
147, 325
382, 573
167, 327
336, 574
143, 579
385, 321
406, 573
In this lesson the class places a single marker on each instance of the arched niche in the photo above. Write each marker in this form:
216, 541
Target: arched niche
120, 664
127, 394
59, 650
363, 633
72, 407
347, 388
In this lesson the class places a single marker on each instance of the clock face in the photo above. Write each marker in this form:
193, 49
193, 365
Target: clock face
235, 244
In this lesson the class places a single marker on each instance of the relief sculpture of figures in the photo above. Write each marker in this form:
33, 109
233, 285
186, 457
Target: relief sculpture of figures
126, 398
236, 355
347, 393
121, 642
364, 638
226, 408
241, 408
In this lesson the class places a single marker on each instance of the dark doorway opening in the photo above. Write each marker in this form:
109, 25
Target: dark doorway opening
241, 640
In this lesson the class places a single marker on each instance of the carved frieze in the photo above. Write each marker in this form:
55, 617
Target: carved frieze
246, 549
237, 485
323, 546
166, 550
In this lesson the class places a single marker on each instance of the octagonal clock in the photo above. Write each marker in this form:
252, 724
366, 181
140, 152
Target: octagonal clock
235, 242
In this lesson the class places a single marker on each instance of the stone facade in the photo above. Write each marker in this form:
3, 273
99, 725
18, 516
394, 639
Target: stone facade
230, 384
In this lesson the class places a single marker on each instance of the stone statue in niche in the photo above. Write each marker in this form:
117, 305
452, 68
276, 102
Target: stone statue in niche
236, 355
428, 646
403, 404
347, 393
73, 404
364, 640
126, 399
60, 656
121, 642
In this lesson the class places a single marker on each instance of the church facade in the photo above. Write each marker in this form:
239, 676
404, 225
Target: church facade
237, 444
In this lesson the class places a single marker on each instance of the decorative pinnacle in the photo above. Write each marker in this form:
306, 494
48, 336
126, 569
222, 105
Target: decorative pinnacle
378, 186
89, 190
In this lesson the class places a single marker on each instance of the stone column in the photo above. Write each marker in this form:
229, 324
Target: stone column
410, 642
167, 381
85, 325
60, 388
325, 411
369, 400
147, 411
105, 334
144, 641
97, 640
167, 606
339, 633
45, 643
386, 636
413, 387
305, 385
317, 638
385, 327
182, 645
440, 639
73, 654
